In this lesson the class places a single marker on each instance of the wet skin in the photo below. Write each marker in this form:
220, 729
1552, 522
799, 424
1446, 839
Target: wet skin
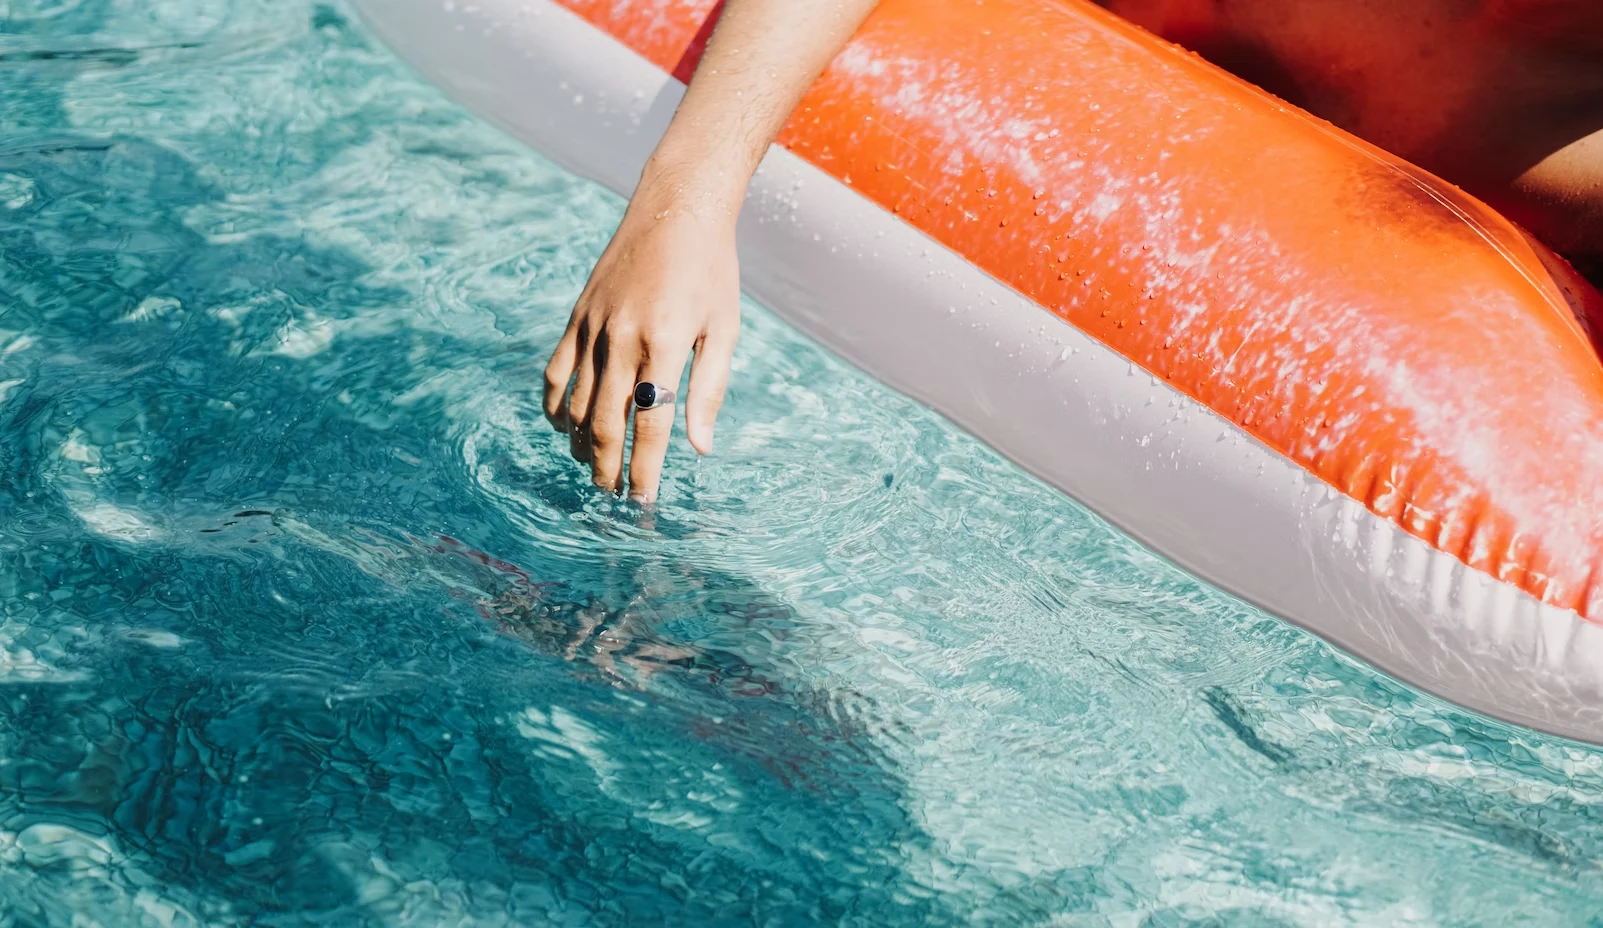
1502, 97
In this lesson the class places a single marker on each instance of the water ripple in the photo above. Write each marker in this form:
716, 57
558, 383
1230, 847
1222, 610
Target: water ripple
307, 617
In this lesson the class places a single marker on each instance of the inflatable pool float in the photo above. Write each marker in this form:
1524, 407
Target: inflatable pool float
1302, 369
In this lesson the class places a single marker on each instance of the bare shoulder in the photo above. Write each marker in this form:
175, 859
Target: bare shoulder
1560, 199
1554, 50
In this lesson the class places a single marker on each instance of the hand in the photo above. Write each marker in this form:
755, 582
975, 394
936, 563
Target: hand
667, 285
669, 282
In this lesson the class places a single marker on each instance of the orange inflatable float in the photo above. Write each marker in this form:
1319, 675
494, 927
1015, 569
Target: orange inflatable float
1304, 369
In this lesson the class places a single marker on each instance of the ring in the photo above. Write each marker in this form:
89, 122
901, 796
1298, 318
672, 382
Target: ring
650, 396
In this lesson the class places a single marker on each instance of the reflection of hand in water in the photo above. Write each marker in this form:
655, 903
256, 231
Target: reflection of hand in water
805, 736
623, 645
589, 638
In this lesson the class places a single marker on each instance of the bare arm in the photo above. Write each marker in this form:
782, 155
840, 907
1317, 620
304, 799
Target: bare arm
669, 282
1560, 198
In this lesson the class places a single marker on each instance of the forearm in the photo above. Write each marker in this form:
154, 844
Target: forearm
762, 58
668, 285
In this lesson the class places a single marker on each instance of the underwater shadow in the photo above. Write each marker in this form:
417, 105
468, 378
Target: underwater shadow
272, 715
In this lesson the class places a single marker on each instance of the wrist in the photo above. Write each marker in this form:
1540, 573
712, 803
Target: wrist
709, 185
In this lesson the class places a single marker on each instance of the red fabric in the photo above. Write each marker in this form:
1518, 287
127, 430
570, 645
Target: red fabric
1574, 24
686, 67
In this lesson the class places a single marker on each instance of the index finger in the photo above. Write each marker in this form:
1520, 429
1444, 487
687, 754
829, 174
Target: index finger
559, 374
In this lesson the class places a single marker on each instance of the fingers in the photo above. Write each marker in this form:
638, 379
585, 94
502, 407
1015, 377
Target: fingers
589, 387
609, 412
581, 396
558, 374
709, 378
653, 427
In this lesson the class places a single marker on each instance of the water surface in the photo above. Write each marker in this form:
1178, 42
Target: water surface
309, 619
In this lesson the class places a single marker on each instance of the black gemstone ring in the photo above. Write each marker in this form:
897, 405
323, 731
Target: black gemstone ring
650, 396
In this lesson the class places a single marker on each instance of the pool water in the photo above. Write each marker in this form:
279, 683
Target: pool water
309, 619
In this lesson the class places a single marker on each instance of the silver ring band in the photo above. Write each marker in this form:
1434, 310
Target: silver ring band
650, 396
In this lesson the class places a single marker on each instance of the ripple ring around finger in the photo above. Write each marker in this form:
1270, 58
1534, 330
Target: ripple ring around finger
649, 395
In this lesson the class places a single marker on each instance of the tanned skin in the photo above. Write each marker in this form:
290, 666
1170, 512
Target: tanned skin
1503, 97
669, 283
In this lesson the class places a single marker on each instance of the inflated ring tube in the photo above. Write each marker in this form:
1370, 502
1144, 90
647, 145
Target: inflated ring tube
1303, 369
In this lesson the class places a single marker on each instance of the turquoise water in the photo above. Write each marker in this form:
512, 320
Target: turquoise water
308, 618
